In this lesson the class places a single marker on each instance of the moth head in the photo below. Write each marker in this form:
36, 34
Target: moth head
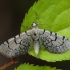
34, 25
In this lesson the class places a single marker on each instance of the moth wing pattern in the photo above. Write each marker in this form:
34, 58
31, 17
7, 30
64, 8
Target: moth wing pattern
54, 42
16, 46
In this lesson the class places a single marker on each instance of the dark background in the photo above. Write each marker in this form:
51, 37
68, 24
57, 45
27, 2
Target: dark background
12, 13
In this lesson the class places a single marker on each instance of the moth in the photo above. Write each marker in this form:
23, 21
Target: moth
21, 44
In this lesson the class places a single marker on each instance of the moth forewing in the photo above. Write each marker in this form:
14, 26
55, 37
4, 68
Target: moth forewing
16, 46
54, 42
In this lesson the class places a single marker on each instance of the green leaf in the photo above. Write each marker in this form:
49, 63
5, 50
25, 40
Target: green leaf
53, 15
33, 67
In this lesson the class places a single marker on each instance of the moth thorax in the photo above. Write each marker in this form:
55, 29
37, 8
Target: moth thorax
34, 31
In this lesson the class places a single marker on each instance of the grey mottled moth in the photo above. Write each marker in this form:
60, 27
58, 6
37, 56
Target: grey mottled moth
20, 44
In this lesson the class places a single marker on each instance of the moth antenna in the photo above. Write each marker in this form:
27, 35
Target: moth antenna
37, 22
45, 24
36, 17
26, 27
